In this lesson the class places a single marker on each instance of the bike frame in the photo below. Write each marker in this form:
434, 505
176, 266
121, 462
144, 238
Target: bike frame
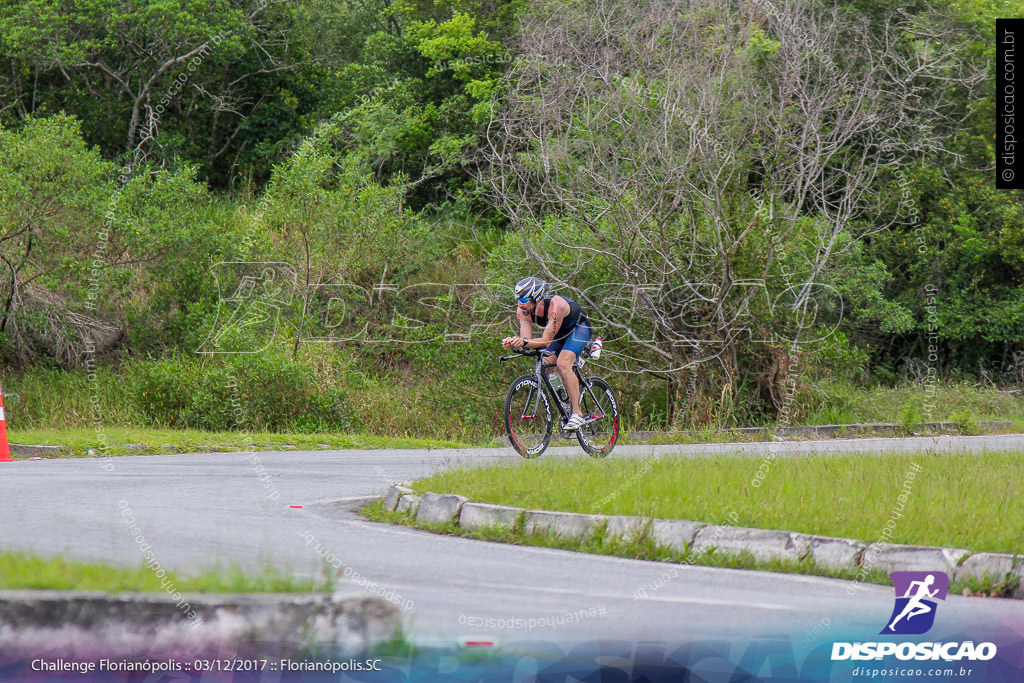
543, 381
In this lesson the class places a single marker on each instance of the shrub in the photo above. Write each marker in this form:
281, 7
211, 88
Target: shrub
966, 422
910, 418
259, 392
163, 389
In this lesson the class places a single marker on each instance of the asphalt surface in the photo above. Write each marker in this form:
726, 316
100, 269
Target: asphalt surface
197, 511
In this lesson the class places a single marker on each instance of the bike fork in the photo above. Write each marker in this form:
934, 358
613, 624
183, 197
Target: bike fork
536, 399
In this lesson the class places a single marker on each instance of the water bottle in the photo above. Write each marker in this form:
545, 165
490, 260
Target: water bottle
595, 350
556, 384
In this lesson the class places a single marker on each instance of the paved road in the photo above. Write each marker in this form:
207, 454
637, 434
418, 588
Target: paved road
200, 510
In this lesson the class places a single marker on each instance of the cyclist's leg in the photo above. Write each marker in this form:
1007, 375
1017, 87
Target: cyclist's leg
574, 346
554, 347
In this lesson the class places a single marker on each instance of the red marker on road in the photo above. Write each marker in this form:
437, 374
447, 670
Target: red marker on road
297, 507
478, 642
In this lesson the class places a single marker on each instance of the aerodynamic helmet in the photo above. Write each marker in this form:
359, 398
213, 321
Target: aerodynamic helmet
531, 289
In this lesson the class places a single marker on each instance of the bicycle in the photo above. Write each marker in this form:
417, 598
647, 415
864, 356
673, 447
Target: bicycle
530, 436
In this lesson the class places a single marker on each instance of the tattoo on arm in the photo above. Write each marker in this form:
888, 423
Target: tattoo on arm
552, 326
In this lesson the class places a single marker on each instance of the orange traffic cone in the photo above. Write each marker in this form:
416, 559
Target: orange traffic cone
5, 448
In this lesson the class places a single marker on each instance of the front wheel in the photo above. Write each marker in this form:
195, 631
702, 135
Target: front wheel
601, 412
527, 419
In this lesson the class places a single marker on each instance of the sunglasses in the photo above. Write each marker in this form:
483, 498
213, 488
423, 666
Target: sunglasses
524, 300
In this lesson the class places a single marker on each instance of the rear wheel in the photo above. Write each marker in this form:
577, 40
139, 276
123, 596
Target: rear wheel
527, 420
601, 412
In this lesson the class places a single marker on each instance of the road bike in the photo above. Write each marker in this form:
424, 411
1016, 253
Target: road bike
529, 418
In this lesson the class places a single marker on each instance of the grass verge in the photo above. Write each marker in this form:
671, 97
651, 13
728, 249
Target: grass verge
965, 501
643, 547
833, 402
146, 441
21, 571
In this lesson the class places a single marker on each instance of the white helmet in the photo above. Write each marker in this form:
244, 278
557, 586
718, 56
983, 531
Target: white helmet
532, 289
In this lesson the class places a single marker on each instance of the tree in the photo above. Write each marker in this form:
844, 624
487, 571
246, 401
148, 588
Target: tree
421, 93
149, 79
337, 225
53, 193
96, 258
715, 162
954, 257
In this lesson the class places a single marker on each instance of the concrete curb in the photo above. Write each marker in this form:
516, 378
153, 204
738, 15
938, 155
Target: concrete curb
836, 553
436, 508
408, 503
561, 524
908, 558
625, 528
38, 451
995, 567
395, 493
681, 535
763, 544
855, 430
675, 533
847, 430
90, 624
477, 516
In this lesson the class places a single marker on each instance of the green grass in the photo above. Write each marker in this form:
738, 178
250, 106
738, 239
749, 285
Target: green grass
966, 501
842, 403
18, 570
706, 435
47, 397
644, 547
407, 394
80, 440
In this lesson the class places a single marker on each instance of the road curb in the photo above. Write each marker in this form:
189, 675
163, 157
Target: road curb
626, 528
408, 504
852, 431
675, 533
994, 567
763, 544
682, 535
479, 516
39, 451
844, 430
836, 553
394, 494
93, 624
437, 508
561, 524
891, 557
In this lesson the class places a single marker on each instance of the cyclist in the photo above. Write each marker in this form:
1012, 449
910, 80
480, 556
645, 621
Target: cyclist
566, 333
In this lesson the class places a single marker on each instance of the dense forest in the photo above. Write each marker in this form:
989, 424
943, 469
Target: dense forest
308, 215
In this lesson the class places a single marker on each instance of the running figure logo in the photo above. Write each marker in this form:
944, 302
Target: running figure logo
914, 611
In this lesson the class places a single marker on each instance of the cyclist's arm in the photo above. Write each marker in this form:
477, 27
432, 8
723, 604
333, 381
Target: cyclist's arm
525, 325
